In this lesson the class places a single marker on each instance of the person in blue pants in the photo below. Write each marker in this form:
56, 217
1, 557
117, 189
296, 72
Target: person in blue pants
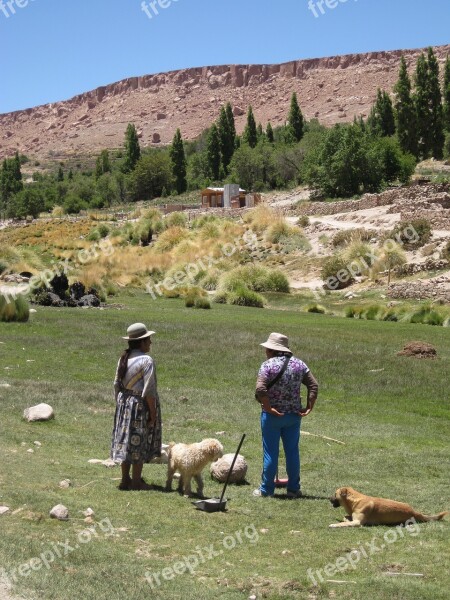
278, 391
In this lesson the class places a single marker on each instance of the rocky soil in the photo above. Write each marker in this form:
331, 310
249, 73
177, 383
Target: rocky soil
333, 89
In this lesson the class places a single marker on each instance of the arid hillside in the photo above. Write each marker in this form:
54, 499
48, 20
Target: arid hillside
333, 89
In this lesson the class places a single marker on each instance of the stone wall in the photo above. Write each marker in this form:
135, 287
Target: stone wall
437, 289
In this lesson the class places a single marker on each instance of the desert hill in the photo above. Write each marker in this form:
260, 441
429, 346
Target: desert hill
333, 89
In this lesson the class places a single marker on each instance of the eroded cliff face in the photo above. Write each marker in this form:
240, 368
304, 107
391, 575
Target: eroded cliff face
333, 89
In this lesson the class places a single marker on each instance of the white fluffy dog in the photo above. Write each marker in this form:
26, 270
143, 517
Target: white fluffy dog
190, 460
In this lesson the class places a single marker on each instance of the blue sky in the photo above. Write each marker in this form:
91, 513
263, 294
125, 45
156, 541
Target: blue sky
55, 49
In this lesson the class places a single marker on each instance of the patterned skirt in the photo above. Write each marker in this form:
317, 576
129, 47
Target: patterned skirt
133, 439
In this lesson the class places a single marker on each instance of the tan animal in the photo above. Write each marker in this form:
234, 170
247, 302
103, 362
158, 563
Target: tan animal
369, 510
190, 460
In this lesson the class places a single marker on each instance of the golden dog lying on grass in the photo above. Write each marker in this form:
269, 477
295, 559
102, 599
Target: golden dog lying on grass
190, 460
369, 510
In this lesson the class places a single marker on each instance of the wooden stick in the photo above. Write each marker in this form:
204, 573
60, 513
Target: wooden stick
408, 574
324, 437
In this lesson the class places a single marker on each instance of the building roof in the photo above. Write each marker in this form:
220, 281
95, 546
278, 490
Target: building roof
221, 189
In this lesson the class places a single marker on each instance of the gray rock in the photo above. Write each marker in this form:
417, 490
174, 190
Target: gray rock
60, 512
65, 483
40, 412
4, 510
220, 468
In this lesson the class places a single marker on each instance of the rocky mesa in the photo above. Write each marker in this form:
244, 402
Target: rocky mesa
333, 90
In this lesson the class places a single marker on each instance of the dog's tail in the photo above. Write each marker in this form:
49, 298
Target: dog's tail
425, 518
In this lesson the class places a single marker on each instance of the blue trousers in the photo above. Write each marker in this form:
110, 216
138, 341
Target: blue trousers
288, 429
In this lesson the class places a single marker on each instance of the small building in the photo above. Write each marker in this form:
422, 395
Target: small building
230, 196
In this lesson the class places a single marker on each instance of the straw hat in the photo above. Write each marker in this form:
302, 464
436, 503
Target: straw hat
137, 331
277, 341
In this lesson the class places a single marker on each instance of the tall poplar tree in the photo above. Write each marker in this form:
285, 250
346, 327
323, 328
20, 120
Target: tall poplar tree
132, 148
250, 134
213, 152
421, 103
435, 107
296, 120
178, 159
226, 138
269, 133
381, 120
447, 94
231, 123
406, 118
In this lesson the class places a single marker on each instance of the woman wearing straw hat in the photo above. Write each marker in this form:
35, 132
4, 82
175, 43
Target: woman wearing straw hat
278, 391
136, 437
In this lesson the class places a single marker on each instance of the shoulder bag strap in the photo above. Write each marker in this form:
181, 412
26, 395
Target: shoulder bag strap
280, 373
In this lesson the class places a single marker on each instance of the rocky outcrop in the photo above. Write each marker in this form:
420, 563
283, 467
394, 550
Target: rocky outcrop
333, 89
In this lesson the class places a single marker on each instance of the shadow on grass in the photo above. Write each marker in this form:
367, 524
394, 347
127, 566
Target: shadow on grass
303, 497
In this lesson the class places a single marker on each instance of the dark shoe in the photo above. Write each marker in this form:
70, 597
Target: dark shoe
296, 494
125, 485
141, 486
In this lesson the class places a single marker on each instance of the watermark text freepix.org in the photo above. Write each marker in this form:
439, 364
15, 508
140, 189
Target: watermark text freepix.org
366, 550
190, 563
151, 7
8, 7
57, 551
317, 6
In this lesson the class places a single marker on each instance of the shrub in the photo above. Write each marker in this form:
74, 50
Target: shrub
294, 242
243, 296
346, 236
189, 301
221, 297
93, 236
390, 315
280, 229
316, 308
171, 238
3, 267
372, 312
445, 255
434, 318
202, 303
256, 278
176, 219
412, 234
335, 273
210, 281
16, 309
303, 221
103, 230
350, 312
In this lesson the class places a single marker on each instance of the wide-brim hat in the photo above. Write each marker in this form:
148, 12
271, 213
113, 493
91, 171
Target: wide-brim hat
278, 342
137, 331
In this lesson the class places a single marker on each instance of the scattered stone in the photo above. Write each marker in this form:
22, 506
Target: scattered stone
418, 350
4, 510
38, 444
95, 461
32, 311
65, 483
219, 469
40, 412
60, 512
183, 399
89, 520
5, 385
220, 432
30, 450
109, 462
88, 512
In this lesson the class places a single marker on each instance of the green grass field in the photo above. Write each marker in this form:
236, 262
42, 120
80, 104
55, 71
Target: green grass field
391, 412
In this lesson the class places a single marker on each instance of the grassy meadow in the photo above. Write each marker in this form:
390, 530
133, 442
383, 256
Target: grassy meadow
392, 413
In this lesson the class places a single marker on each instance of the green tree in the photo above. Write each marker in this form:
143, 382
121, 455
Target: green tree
60, 174
213, 153
269, 133
447, 94
226, 138
406, 117
381, 120
178, 159
10, 179
435, 106
152, 174
250, 135
296, 121
132, 148
428, 99
27, 202
231, 123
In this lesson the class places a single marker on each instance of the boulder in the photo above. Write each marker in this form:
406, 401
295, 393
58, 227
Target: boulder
60, 512
40, 412
4, 510
220, 468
